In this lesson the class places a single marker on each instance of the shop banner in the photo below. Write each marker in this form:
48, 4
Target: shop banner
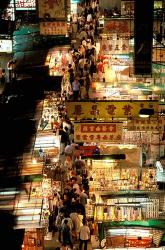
25, 4
158, 55
98, 132
143, 24
146, 124
6, 46
127, 8
118, 26
53, 28
87, 150
107, 110
114, 46
52, 9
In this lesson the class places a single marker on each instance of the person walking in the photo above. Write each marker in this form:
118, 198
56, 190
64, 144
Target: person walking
76, 89
3, 76
64, 138
87, 85
66, 235
84, 235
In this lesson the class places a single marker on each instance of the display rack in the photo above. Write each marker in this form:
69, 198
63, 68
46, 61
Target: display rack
127, 200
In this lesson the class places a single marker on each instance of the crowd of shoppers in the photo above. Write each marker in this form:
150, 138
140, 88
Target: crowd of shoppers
78, 76
69, 213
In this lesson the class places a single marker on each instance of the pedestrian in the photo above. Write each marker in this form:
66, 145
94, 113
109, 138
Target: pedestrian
3, 76
84, 235
87, 84
66, 235
76, 89
58, 223
64, 138
83, 92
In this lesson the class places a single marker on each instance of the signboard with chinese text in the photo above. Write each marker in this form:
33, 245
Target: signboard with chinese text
107, 110
53, 28
114, 46
52, 9
146, 124
118, 26
98, 132
87, 150
6, 46
158, 55
127, 8
25, 4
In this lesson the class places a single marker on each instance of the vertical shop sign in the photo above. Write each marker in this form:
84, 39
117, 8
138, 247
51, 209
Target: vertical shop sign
49, 9
143, 31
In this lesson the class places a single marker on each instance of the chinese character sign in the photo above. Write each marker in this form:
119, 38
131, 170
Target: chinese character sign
52, 9
25, 4
95, 132
108, 109
118, 26
53, 28
146, 124
111, 46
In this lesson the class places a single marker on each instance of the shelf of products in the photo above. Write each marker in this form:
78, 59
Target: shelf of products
127, 209
33, 240
111, 176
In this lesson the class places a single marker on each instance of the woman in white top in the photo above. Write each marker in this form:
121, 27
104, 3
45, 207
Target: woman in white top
84, 235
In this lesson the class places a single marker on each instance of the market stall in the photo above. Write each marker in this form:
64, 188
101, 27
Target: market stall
46, 146
52, 106
33, 239
57, 59
122, 190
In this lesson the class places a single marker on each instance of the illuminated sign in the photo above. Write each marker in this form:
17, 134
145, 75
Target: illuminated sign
52, 9
146, 124
53, 28
158, 55
114, 46
118, 26
25, 4
6, 46
105, 132
107, 109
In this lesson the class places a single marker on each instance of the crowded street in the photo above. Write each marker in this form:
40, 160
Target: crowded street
82, 125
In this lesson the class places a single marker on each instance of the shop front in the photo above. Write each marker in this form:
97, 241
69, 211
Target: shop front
52, 107
125, 199
58, 59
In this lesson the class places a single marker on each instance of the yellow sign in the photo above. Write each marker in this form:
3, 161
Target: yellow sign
158, 55
96, 132
107, 110
52, 9
146, 124
53, 28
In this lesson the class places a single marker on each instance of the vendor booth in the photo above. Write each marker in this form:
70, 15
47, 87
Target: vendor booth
57, 59
124, 198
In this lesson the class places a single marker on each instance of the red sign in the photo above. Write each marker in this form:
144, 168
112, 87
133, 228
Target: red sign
95, 128
96, 132
87, 150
